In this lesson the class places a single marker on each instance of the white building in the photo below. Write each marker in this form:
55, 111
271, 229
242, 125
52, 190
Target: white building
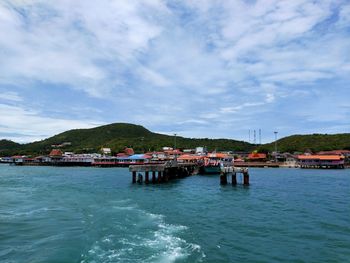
106, 151
201, 150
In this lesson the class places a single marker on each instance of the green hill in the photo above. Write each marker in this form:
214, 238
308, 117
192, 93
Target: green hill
313, 142
7, 147
117, 136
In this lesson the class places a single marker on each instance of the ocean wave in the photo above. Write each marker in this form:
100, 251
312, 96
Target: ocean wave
16, 214
148, 239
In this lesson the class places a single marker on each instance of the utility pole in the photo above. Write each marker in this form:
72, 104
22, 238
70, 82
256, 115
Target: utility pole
260, 136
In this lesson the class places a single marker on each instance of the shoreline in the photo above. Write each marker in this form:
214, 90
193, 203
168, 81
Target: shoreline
260, 165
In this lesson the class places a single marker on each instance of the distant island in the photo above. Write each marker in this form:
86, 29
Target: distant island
117, 136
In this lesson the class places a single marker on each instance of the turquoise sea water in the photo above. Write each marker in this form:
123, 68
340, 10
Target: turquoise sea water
50, 214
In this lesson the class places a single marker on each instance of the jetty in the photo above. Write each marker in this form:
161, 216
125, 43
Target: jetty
232, 172
161, 173
258, 164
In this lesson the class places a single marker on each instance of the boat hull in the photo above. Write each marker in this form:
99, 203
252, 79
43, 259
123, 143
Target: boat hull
210, 169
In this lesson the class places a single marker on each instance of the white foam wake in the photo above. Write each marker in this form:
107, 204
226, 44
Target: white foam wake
144, 238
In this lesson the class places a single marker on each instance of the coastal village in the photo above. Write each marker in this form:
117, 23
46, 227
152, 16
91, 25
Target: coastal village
200, 156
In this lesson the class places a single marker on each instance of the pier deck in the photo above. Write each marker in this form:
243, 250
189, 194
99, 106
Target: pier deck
233, 171
161, 173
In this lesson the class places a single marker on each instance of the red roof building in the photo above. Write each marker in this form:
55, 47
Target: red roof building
129, 151
56, 153
257, 156
122, 155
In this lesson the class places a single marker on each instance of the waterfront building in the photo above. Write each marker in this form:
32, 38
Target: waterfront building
106, 151
166, 148
201, 150
56, 155
18, 159
134, 159
79, 159
6, 160
345, 153
129, 151
171, 154
321, 161
191, 158
189, 151
42, 159
291, 162
157, 156
257, 157
104, 161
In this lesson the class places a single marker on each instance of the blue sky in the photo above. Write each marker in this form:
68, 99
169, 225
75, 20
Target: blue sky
196, 68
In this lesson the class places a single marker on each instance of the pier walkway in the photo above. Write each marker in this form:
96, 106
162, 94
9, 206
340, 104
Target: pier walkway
233, 171
160, 173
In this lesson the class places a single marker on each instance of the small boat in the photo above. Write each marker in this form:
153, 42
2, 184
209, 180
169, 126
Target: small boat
214, 162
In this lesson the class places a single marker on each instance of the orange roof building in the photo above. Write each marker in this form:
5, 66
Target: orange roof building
56, 153
257, 156
321, 161
334, 152
218, 155
321, 157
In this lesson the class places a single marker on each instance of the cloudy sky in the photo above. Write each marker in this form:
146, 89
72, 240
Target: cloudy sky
198, 68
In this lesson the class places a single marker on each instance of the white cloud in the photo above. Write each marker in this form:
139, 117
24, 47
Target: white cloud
68, 42
187, 63
10, 96
344, 16
301, 76
240, 107
28, 125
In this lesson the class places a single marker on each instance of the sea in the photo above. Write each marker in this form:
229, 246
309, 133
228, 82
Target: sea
76, 214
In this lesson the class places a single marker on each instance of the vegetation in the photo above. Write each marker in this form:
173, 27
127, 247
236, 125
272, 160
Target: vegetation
117, 136
311, 142
7, 147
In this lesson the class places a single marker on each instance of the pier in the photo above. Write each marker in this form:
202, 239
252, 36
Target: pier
161, 173
258, 164
232, 171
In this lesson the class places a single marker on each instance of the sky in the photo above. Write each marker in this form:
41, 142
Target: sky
197, 68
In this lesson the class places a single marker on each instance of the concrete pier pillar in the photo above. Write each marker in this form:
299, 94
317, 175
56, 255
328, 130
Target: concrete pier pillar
187, 172
159, 179
147, 177
165, 177
223, 179
234, 179
133, 177
153, 177
139, 178
245, 178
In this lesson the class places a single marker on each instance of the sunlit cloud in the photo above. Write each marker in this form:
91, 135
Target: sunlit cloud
203, 68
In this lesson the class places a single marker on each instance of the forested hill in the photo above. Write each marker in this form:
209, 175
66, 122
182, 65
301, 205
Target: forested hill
8, 146
312, 142
117, 136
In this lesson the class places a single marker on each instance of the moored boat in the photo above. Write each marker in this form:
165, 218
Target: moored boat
214, 162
